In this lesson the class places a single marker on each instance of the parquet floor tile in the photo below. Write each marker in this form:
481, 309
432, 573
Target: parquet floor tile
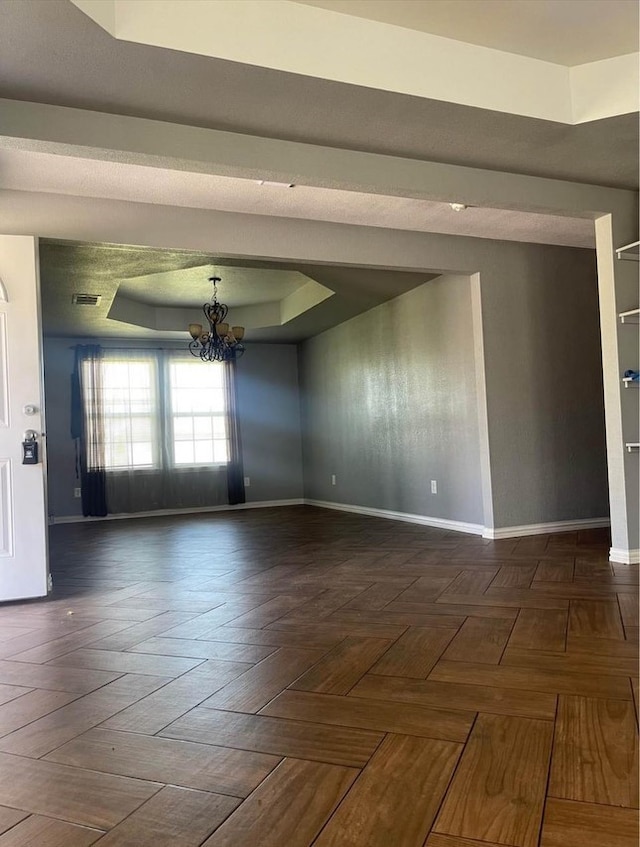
339, 745
50, 731
174, 817
360, 713
397, 795
462, 695
320, 679
570, 824
152, 713
540, 629
595, 756
221, 770
497, 793
10, 817
39, 830
309, 791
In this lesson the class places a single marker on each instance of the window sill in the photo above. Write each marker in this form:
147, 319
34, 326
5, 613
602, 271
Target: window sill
170, 469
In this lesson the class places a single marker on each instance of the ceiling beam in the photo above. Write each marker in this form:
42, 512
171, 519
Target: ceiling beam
81, 133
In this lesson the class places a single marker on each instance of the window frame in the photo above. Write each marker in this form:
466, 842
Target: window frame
161, 415
171, 416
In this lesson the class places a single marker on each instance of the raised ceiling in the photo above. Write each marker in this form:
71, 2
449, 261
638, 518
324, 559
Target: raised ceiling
147, 293
81, 65
189, 287
567, 32
319, 42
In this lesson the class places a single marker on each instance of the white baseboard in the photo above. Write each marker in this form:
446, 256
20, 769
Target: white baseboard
438, 523
616, 555
472, 528
544, 528
624, 557
260, 504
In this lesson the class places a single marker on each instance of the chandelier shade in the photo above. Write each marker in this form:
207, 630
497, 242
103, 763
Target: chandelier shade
216, 341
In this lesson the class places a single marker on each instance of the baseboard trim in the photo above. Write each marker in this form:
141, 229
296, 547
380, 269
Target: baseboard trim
544, 528
259, 504
469, 528
624, 557
438, 523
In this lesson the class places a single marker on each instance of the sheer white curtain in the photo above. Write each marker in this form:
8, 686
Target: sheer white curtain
165, 431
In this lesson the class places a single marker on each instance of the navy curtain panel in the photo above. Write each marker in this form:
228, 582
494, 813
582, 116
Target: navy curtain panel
235, 469
87, 429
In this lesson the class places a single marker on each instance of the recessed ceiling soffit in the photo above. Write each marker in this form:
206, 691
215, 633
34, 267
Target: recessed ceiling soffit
167, 302
312, 41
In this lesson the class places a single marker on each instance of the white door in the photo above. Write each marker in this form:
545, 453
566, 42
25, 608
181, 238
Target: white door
23, 518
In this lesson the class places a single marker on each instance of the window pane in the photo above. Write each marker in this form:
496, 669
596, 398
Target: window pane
183, 428
183, 452
219, 427
197, 405
216, 401
116, 455
185, 400
141, 429
202, 428
220, 452
196, 374
139, 376
204, 452
129, 403
116, 429
142, 454
114, 374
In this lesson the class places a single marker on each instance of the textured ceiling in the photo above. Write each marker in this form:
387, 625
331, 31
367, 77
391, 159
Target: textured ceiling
27, 171
67, 268
79, 64
239, 286
567, 32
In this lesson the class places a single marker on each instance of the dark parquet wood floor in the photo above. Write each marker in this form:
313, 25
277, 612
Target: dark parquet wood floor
294, 677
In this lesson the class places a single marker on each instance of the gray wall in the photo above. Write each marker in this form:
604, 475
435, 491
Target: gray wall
389, 402
544, 387
269, 410
269, 419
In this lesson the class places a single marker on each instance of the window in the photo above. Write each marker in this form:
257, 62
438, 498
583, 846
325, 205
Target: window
198, 414
161, 411
129, 408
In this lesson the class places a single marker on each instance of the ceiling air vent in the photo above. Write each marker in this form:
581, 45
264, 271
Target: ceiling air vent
86, 299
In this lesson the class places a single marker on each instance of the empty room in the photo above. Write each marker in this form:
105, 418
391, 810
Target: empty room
319, 423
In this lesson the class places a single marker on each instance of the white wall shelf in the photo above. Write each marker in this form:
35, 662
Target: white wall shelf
632, 445
630, 317
630, 252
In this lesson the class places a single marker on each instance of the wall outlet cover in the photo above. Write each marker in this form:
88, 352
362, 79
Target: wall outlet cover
434, 486
247, 481
77, 492
333, 479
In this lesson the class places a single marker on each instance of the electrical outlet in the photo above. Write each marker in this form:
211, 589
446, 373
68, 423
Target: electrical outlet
247, 481
434, 486
333, 479
77, 492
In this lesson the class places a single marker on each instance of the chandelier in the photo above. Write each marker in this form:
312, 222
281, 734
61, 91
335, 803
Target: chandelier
220, 343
